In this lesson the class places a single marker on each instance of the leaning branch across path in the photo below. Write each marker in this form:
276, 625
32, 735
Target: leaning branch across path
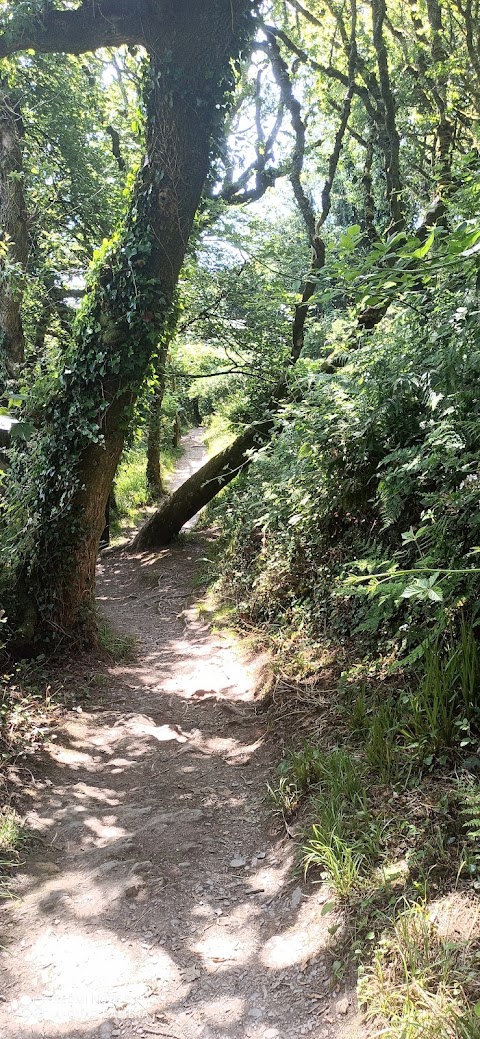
200, 488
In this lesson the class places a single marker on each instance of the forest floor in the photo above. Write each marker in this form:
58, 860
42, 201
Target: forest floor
158, 897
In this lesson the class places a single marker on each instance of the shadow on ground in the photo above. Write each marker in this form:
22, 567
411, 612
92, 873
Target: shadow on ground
159, 898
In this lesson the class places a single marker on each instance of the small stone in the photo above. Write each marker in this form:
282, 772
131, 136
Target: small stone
342, 1006
190, 975
238, 862
255, 1012
47, 868
133, 890
296, 897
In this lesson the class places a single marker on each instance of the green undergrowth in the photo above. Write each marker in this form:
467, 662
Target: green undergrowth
380, 784
13, 839
359, 519
218, 434
131, 492
351, 546
384, 796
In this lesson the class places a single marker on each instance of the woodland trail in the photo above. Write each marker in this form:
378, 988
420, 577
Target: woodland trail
159, 898
193, 457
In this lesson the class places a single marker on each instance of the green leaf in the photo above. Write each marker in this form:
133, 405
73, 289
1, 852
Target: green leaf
327, 908
425, 248
22, 431
410, 591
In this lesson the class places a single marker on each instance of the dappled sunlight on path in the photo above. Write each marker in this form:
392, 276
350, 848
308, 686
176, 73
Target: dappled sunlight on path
159, 898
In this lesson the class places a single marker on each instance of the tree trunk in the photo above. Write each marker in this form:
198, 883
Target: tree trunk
177, 430
13, 229
72, 464
200, 488
154, 476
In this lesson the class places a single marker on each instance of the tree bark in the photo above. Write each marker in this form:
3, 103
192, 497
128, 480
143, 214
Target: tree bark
201, 488
391, 137
154, 478
14, 231
126, 311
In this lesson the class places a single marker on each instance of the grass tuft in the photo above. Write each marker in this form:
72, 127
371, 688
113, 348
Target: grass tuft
420, 982
13, 837
119, 647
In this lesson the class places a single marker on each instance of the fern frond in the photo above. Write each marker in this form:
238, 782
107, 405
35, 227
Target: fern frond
470, 811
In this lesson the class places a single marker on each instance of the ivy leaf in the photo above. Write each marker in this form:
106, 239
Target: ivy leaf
22, 431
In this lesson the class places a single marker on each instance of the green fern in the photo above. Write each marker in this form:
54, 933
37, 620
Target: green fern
391, 502
470, 811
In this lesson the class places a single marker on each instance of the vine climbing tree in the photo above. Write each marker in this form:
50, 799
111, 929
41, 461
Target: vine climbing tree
57, 513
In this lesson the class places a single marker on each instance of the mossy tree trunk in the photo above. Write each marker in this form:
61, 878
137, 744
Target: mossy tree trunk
61, 510
13, 234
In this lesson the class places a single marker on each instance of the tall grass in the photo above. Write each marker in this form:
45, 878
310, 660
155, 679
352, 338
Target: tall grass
131, 491
418, 982
13, 837
446, 698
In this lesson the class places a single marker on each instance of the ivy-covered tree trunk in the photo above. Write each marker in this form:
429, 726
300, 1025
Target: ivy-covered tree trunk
13, 234
60, 510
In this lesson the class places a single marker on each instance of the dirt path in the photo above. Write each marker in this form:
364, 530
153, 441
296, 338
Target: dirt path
160, 899
193, 457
